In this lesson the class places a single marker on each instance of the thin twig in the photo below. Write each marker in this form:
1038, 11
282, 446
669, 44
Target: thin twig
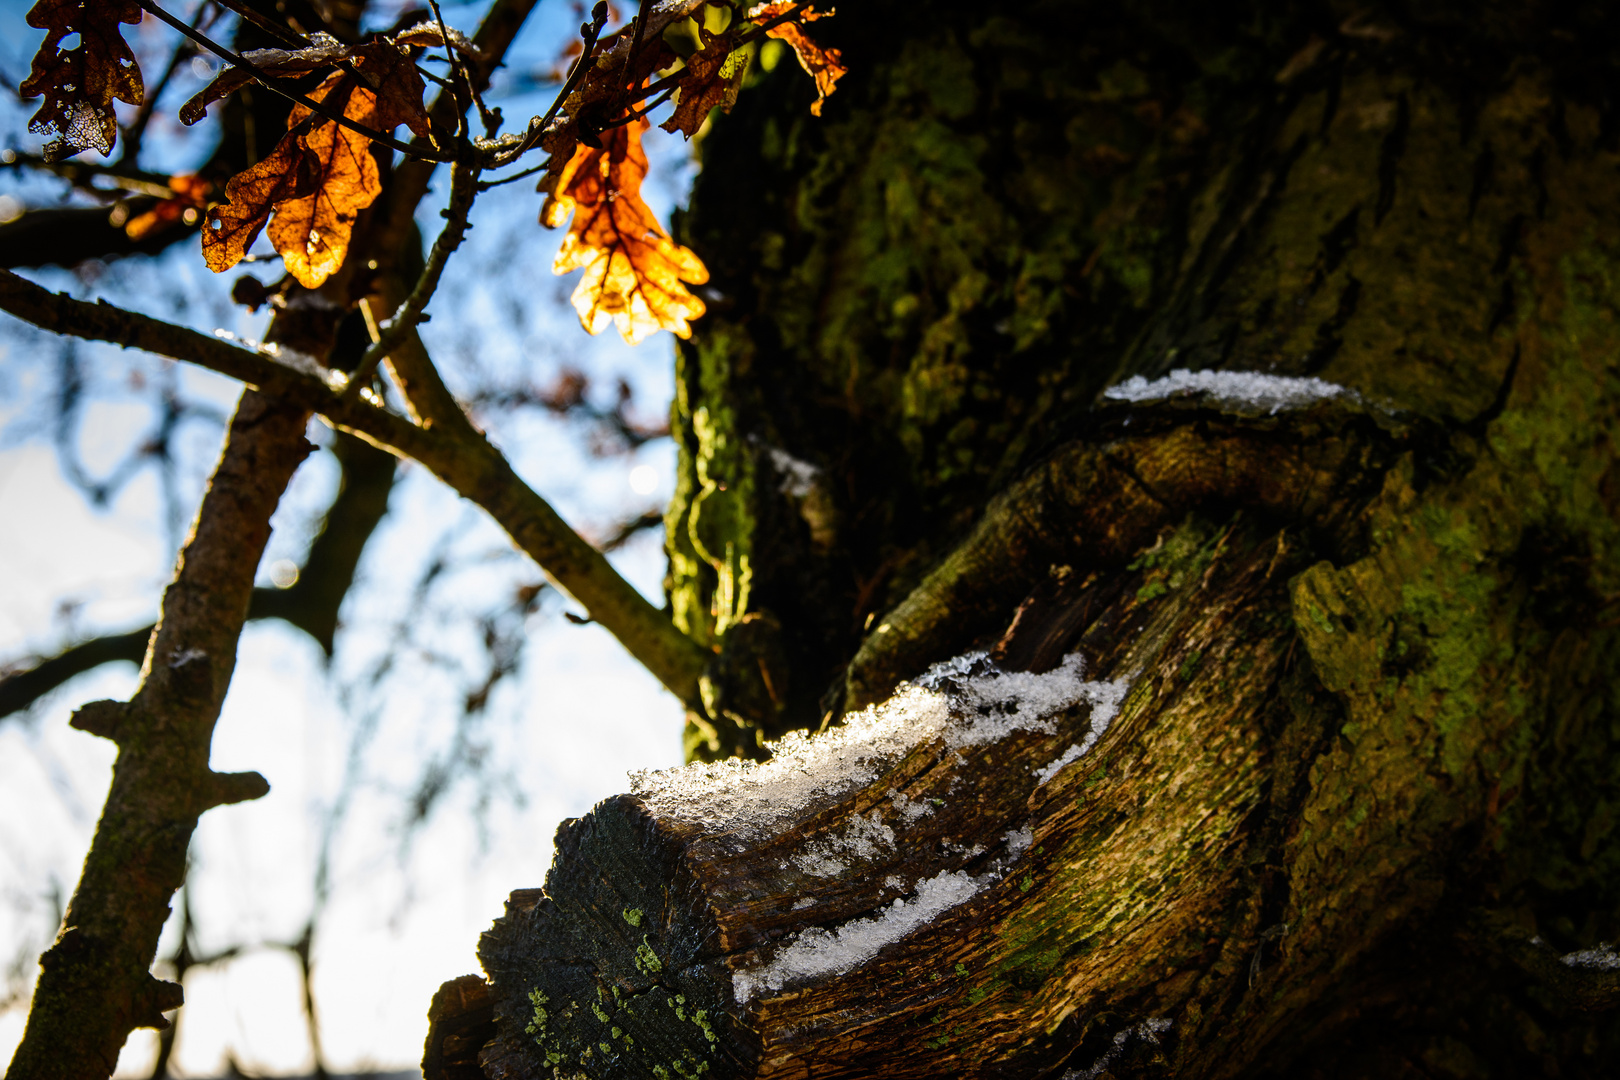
485, 185
269, 83
635, 45
285, 35
633, 115
589, 33
671, 82
464, 189
79, 173
457, 76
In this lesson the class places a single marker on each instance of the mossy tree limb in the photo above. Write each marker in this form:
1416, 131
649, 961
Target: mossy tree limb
1410, 863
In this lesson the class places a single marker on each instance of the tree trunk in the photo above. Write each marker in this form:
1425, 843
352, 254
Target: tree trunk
1328, 785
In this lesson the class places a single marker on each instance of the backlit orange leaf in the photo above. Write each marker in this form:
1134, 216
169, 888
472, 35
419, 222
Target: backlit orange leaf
253, 194
315, 183
823, 65
398, 88
312, 231
81, 83
634, 273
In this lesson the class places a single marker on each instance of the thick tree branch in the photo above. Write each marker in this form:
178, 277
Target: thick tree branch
1303, 464
94, 985
454, 451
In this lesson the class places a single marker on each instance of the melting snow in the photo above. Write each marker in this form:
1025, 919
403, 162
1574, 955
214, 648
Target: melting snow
1270, 392
820, 952
909, 808
798, 477
860, 838
966, 701
1602, 958
1105, 707
997, 703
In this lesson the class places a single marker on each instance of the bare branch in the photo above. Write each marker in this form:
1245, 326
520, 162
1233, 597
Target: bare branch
463, 189
451, 447
94, 985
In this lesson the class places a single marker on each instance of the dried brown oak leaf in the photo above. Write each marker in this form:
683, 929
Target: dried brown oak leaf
634, 273
80, 84
312, 231
282, 63
316, 182
711, 79
823, 65
392, 76
288, 173
615, 67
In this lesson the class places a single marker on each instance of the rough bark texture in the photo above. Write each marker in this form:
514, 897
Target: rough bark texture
1359, 805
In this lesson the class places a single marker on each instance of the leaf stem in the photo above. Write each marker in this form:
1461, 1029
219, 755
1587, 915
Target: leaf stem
286, 35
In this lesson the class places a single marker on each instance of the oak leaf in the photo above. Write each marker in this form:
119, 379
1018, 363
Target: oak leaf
392, 77
426, 35
311, 189
823, 65
312, 231
615, 66
385, 65
80, 84
253, 193
634, 273
712, 78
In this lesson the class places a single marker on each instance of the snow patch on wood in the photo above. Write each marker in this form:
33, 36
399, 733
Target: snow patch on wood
1602, 958
1251, 389
819, 953
966, 701
1105, 699
863, 838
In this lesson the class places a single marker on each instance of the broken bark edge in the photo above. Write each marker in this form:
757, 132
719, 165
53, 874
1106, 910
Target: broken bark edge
461, 1020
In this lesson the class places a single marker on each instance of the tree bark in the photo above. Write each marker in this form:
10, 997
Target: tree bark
1355, 814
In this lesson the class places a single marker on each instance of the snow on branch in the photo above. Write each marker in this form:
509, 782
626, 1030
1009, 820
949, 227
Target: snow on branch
1244, 389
